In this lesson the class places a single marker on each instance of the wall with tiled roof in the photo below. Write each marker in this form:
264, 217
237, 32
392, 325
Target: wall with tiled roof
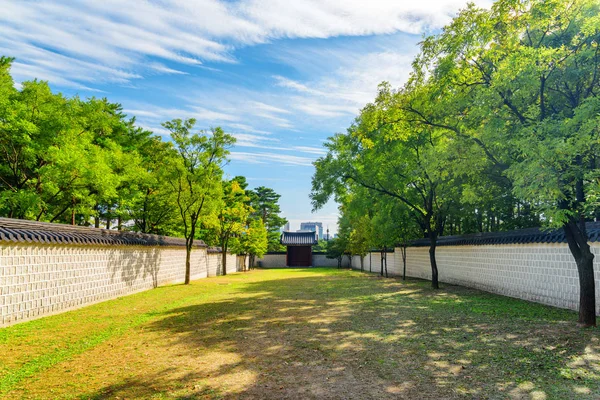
298, 238
532, 235
529, 265
23, 231
51, 268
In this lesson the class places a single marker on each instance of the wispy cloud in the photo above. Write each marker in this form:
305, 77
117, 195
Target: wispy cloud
107, 34
260, 69
269, 108
158, 67
274, 158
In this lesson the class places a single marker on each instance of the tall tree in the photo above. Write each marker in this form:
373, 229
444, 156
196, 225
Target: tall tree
385, 154
196, 175
232, 217
265, 202
359, 242
525, 78
254, 241
153, 208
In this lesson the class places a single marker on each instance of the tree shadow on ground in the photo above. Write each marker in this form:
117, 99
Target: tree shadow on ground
350, 335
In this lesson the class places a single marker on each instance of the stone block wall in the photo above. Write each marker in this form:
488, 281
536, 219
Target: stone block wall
321, 260
214, 263
42, 279
278, 260
541, 272
372, 261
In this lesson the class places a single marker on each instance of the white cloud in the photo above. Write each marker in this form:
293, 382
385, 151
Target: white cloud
204, 115
291, 84
269, 108
248, 128
158, 67
106, 34
274, 158
249, 140
311, 150
273, 144
344, 78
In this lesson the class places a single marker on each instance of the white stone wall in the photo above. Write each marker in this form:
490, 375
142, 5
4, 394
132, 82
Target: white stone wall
544, 273
272, 261
318, 260
38, 280
321, 260
232, 263
371, 262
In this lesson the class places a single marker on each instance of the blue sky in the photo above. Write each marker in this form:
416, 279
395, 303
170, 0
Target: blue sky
281, 76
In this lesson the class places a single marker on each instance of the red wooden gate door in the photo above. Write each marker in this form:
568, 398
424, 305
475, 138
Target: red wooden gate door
299, 256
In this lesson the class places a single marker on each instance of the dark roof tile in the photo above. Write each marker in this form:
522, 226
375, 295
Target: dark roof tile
16, 230
522, 236
298, 238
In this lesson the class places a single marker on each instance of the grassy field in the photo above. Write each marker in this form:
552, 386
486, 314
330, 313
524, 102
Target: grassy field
318, 333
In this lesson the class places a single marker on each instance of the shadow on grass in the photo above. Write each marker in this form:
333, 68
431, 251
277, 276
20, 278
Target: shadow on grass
152, 386
351, 335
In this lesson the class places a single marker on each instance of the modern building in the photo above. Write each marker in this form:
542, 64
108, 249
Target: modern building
299, 248
314, 227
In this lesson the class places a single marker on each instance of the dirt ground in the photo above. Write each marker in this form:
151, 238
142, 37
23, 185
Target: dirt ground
303, 334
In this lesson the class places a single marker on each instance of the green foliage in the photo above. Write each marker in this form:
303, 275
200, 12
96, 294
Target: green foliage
85, 162
496, 128
266, 207
255, 241
359, 242
335, 248
230, 220
195, 176
320, 246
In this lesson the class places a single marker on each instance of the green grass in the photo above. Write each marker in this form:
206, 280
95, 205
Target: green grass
310, 333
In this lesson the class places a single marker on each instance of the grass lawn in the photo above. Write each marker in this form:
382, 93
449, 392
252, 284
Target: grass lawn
310, 333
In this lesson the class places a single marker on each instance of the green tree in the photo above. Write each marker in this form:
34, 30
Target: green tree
254, 241
265, 203
384, 153
336, 248
392, 226
196, 175
524, 77
153, 207
232, 217
359, 242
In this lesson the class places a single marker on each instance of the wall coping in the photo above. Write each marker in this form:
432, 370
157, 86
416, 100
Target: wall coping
25, 231
521, 236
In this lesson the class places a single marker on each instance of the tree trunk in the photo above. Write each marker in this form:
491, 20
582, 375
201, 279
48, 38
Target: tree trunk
404, 261
584, 258
361, 263
224, 260
188, 266
432, 260
385, 259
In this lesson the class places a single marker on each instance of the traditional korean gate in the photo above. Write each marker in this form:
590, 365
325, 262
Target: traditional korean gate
299, 256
